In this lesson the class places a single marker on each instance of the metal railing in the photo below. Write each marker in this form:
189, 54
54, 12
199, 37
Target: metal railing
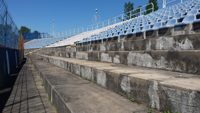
117, 19
171, 2
8, 29
111, 21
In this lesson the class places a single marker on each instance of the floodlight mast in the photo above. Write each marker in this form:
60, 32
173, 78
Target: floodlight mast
53, 27
96, 18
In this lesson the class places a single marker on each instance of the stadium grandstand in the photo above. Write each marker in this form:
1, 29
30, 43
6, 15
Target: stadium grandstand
143, 61
151, 58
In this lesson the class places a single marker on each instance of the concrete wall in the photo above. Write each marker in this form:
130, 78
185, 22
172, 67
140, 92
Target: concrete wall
182, 42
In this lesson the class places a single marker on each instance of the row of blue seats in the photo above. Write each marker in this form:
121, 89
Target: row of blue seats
40, 43
181, 13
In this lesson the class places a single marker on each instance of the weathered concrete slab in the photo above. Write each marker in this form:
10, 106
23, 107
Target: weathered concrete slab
180, 42
174, 53
28, 94
175, 43
71, 94
163, 90
186, 61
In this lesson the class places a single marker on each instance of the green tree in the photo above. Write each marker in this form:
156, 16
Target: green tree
24, 30
136, 12
127, 8
149, 7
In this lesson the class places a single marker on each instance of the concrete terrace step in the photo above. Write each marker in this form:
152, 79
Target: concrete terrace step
181, 42
187, 61
162, 90
71, 94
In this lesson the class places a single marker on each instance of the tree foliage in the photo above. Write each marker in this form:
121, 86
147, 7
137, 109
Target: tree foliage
27, 34
128, 6
136, 12
149, 7
24, 30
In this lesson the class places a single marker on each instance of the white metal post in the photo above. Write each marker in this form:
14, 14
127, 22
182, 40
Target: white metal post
115, 20
164, 3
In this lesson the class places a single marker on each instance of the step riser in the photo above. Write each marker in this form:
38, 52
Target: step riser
185, 42
156, 94
182, 61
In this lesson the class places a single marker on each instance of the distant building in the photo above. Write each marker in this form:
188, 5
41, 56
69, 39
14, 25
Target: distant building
35, 35
31, 36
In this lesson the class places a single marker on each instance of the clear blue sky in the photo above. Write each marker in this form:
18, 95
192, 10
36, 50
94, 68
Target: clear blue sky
38, 14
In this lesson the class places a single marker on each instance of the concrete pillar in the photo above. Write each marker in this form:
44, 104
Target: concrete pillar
118, 39
173, 31
157, 33
190, 29
144, 34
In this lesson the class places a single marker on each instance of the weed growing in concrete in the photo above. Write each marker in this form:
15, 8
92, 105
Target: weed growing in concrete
168, 112
131, 98
150, 110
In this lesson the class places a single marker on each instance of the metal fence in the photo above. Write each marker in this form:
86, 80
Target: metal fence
8, 30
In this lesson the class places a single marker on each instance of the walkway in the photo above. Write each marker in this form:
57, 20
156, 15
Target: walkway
28, 94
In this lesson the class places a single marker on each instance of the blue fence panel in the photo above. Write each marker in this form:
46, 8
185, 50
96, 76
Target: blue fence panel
8, 29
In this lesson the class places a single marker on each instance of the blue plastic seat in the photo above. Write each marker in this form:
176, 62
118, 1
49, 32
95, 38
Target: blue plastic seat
189, 19
181, 13
157, 25
171, 22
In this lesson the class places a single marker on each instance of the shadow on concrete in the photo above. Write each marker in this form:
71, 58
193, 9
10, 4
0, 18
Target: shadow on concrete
5, 92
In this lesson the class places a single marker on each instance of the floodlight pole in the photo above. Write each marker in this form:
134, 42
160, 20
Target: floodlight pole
53, 27
96, 18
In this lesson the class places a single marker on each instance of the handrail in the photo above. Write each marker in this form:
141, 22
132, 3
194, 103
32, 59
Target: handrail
119, 18
169, 2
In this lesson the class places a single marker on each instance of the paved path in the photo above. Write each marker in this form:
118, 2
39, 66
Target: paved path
28, 94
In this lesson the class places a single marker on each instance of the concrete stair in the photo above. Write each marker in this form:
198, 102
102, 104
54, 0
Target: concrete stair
162, 90
185, 61
174, 53
71, 94
159, 72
